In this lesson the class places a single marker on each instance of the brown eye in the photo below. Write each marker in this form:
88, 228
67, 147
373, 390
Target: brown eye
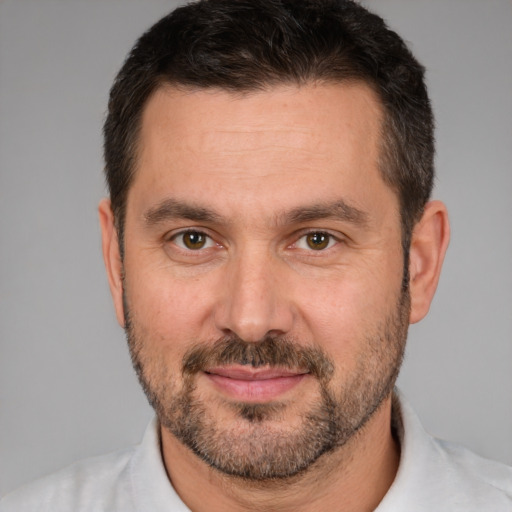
318, 241
193, 240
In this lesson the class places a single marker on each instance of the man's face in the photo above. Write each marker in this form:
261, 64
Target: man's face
262, 272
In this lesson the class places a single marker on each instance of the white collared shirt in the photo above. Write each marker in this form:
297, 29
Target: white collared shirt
433, 476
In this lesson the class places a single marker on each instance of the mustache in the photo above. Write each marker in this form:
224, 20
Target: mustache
273, 351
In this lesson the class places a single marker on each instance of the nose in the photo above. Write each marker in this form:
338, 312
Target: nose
254, 301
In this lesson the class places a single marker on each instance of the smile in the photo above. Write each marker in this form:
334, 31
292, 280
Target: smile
254, 384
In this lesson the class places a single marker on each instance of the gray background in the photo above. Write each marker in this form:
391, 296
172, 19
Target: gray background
67, 389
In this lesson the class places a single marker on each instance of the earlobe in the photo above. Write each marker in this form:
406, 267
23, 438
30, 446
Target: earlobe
112, 257
429, 242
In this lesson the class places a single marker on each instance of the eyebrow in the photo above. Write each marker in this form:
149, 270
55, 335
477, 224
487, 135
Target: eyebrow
170, 209
173, 209
338, 210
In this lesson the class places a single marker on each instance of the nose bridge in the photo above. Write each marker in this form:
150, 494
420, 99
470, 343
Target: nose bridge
253, 303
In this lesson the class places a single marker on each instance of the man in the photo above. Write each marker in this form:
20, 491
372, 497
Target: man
268, 239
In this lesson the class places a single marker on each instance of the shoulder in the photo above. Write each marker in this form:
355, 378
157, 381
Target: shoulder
464, 465
126, 481
97, 484
442, 476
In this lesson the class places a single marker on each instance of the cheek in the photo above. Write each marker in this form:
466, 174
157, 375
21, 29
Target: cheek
170, 311
345, 310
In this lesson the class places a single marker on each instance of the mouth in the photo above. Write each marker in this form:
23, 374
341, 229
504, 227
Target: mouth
256, 385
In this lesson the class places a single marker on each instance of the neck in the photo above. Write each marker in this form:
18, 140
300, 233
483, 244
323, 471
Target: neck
354, 478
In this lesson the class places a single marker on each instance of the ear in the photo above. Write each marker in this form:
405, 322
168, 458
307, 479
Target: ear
112, 257
429, 242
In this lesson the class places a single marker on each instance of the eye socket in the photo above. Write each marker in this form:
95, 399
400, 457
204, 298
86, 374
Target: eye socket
316, 241
193, 240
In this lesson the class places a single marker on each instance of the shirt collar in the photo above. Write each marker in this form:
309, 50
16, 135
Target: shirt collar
151, 488
430, 476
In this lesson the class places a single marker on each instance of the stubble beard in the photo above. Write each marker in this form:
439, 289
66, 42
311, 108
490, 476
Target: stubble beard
259, 445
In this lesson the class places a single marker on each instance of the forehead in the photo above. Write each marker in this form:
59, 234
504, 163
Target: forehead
298, 115
279, 144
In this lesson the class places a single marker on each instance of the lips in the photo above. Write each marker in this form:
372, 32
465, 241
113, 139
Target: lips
254, 384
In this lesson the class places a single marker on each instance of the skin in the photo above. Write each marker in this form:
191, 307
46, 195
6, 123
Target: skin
253, 161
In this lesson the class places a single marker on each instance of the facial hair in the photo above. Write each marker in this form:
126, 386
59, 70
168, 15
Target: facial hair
260, 445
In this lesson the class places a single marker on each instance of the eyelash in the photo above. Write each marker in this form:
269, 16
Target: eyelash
209, 241
331, 240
